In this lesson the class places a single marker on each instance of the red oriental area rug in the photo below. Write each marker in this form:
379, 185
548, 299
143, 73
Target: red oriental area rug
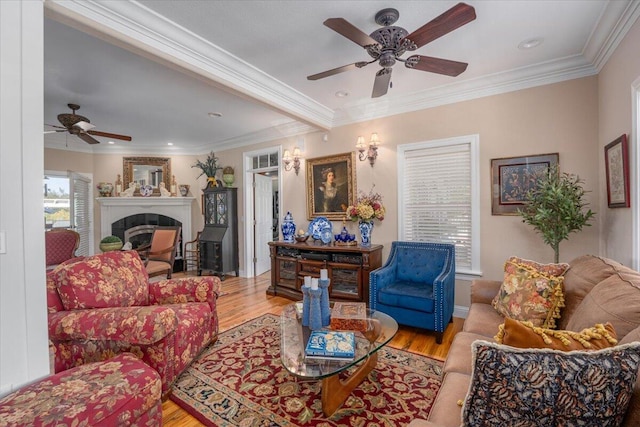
240, 381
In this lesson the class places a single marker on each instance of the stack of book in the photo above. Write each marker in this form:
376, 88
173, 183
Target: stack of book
333, 345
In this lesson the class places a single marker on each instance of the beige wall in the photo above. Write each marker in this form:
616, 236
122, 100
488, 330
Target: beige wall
559, 118
556, 118
615, 119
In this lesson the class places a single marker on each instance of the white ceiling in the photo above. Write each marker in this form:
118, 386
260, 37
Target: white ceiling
176, 61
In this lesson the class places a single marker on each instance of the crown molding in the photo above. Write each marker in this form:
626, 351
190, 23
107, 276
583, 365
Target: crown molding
614, 23
278, 132
136, 26
493, 84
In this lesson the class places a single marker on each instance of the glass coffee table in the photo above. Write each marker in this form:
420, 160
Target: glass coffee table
378, 330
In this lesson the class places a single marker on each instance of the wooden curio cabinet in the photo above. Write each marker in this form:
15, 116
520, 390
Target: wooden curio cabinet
348, 268
219, 239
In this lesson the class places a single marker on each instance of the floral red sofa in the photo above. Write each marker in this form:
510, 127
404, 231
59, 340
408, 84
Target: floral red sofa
104, 305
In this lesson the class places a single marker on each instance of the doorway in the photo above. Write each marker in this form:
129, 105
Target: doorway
261, 207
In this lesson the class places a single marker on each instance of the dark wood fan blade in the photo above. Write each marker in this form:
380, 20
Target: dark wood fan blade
109, 135
348, 30
453, 18
337, 70
436, 65
381, 84
56, 126
88, 139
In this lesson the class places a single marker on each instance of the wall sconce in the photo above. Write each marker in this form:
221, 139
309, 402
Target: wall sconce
291, 162
371, 152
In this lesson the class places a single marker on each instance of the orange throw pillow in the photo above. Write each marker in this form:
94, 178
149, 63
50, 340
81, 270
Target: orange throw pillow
520, 334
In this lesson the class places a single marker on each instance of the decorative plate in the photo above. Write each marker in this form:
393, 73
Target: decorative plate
146, 190
317, 225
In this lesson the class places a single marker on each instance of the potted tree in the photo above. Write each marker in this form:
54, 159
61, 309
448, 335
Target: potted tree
209, 168
556, 208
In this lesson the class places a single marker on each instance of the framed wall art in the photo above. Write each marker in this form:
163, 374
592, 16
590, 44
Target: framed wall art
616, 160
331, 185
512, 177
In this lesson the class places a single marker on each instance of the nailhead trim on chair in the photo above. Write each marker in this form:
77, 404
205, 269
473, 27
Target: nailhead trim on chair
439, 309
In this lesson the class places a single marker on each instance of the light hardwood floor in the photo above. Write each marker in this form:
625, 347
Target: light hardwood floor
245, 299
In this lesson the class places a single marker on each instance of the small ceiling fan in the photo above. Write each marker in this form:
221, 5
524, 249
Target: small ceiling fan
386, 45
81, 127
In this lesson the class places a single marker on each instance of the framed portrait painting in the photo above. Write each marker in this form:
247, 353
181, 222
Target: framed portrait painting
616, 160
513, 177
331, 185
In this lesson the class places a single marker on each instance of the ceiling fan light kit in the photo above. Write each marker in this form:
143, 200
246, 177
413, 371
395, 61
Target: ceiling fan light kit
81, 127
386, 45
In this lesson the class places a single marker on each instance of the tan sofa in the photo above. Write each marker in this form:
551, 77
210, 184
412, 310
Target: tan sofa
596, 290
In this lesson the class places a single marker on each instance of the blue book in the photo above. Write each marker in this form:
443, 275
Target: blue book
335, 345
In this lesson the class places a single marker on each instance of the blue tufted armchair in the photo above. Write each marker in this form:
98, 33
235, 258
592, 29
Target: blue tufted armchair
416, 285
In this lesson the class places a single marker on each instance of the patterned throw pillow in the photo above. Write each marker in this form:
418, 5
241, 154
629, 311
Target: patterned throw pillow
111, 279
531, 291
540, 387
521, 334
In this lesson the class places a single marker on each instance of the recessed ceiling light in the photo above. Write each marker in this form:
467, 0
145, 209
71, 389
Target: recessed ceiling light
111, 142
342, 93
215, 115
169, 143
530, 43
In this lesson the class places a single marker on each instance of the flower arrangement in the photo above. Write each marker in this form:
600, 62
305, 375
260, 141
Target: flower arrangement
209, 167
367, 207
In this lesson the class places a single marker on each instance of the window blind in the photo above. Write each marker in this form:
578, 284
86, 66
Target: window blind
80, 211
436, 195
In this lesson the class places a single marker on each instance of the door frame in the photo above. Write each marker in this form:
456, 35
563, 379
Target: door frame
249, 238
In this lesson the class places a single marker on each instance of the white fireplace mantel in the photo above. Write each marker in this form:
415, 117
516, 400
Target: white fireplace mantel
113, 209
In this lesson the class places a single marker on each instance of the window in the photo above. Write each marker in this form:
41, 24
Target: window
67, 204
438, 196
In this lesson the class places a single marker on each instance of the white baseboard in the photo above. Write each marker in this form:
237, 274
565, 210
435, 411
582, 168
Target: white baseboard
461, 311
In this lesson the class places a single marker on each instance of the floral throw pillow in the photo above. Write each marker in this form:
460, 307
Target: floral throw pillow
531, 291
541, 387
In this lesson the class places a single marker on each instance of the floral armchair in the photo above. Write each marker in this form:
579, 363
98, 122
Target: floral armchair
104, 305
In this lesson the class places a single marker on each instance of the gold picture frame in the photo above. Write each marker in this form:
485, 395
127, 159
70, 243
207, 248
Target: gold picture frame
329, 196
161, 164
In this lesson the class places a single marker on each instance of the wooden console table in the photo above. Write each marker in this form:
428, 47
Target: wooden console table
348, 268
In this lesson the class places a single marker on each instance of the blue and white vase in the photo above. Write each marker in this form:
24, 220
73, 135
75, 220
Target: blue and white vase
288, 228
366, 227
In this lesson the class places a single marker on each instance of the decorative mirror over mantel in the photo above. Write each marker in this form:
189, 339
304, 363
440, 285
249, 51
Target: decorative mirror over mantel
147, 171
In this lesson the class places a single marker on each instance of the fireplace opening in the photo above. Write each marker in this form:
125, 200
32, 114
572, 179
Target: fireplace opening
138, 230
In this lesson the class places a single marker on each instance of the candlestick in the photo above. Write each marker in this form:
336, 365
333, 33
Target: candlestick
325, 309
324, 274
315, 311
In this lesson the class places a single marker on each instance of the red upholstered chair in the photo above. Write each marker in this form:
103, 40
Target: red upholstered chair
104, 305
160, 254
60, 245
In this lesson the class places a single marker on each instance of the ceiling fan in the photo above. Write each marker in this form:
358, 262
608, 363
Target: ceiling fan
386, 45
81, 127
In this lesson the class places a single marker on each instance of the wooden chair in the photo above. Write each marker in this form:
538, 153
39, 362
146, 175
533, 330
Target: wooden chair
191, 255
160, 254
60, 245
